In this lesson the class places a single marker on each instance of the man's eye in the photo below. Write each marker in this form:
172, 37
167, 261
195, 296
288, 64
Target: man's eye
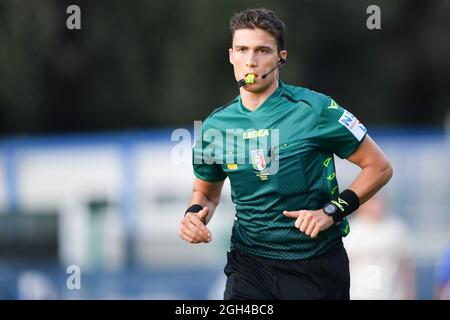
263, 51
241, 50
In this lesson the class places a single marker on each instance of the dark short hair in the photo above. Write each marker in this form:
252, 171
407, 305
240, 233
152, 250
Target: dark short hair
264, 19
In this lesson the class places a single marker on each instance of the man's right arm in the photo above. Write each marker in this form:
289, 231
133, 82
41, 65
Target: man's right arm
193, 225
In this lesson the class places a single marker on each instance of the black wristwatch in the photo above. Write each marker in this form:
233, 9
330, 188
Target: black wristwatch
332, 210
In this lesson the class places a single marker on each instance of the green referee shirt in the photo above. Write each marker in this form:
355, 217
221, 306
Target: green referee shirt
278, 157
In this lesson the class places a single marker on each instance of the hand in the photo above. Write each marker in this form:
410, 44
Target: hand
192, 227
310, 222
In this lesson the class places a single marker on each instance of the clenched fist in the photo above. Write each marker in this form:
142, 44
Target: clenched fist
193, 229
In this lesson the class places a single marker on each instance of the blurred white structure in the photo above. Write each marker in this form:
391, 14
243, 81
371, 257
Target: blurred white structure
33, 285
381, 253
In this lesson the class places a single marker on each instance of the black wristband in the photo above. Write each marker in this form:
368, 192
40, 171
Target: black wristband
194, 208
347, 202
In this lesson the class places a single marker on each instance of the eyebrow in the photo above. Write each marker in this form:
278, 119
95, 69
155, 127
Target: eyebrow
256, 48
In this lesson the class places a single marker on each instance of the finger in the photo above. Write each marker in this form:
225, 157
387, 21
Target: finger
305, 223
200, 226
202, 214
186, 238
188, 225
188, 234
298, 222
316, 231
204, 236
195, 236
291, 214
310, 228
183, 236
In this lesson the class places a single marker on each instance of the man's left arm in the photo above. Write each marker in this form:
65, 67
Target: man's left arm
376, 171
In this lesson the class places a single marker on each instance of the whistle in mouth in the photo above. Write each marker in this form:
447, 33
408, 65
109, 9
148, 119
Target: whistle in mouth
250, 78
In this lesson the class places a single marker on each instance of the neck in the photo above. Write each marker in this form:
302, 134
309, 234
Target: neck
253, 100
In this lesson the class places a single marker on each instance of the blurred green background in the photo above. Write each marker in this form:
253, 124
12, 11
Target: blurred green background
163, 63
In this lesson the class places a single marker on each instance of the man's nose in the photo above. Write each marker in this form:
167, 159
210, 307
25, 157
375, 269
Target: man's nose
251, 60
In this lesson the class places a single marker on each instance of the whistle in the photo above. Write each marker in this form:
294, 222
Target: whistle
250, 78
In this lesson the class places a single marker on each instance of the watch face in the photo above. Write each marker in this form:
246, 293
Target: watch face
329, 209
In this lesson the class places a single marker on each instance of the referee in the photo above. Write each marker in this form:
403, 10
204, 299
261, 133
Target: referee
276, 142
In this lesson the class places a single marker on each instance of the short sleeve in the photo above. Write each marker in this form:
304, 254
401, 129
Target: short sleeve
205, 156
338, 130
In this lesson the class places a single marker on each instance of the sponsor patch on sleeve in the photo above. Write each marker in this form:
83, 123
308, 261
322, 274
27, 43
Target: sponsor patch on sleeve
349, 121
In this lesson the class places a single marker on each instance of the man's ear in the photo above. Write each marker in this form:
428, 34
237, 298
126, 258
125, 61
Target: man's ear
230, 55
283, 54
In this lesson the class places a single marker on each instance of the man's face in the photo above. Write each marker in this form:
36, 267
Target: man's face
255, 51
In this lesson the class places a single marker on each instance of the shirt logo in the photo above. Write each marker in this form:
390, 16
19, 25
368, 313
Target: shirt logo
333, 105
256, 133
258, 160
232, 166
349, 121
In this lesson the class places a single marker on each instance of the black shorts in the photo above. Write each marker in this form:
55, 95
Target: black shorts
251, 277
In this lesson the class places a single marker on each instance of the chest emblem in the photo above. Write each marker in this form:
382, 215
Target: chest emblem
258, 160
